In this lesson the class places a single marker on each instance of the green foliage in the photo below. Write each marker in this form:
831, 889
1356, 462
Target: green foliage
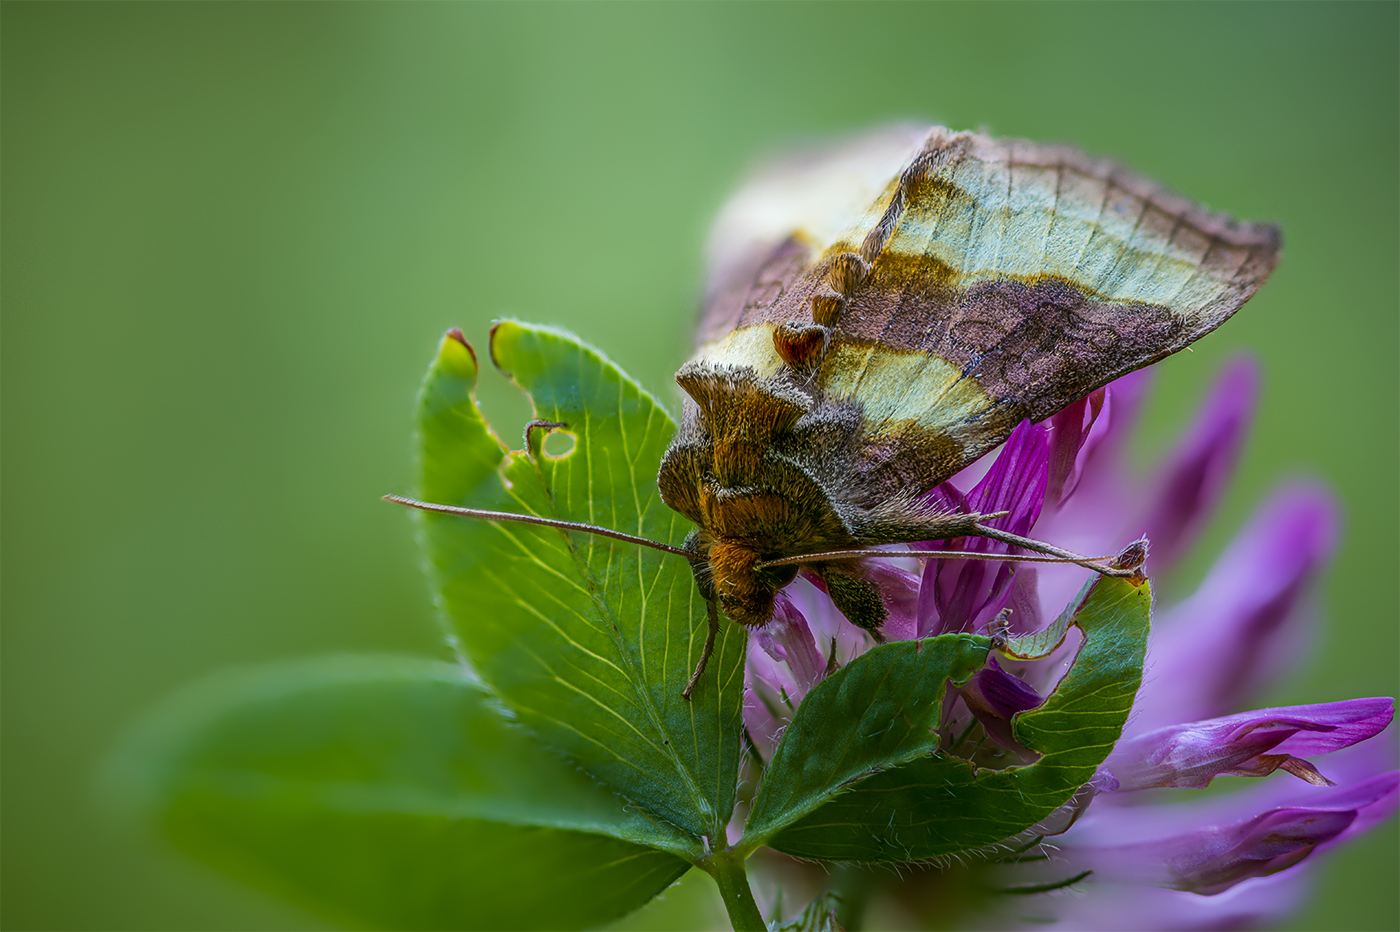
574, 782
388, 791
939, 804
590, 641
881, 709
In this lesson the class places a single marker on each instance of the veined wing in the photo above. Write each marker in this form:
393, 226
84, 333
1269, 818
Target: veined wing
1001, 280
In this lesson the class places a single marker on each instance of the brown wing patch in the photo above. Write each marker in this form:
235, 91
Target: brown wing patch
751, 290
991, 281
1038, 274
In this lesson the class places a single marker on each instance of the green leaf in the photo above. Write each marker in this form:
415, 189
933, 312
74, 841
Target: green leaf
938, 804
881, 709
389, 792
590, 641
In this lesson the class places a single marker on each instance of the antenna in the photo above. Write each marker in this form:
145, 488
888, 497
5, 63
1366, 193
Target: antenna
533, 519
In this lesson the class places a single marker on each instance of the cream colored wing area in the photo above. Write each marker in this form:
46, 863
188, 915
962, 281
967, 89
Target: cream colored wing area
899, 388
750, 347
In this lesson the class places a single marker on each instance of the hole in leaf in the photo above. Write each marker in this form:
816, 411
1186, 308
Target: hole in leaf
558, 444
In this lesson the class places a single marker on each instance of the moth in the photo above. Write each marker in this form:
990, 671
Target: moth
882, 314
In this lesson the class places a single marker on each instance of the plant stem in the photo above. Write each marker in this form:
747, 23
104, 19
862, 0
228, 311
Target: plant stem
726, 866
852, 888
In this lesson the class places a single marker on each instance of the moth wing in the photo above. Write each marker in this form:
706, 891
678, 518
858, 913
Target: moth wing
786, 215
1008, 279
982, 283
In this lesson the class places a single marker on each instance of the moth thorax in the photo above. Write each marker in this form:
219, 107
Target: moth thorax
739, 461
745, 592
733, 401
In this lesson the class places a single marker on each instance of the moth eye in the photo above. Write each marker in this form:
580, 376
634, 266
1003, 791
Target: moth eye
846, 273
781, 575
802, 346
827, 308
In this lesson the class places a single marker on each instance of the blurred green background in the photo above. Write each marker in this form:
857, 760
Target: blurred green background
232, 235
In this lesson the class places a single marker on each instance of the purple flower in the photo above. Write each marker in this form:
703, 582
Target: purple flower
1230, 861
1250, 744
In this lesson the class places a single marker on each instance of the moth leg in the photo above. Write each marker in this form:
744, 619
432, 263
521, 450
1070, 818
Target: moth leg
855, 596
713, 611
914, 527
1128, 563
902, 524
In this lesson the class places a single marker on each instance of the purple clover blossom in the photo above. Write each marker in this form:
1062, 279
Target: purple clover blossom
1230, 861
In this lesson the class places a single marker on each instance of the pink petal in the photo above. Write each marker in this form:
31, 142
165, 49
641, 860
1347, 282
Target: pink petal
1094, 519
899, 589
1069, 434
1115, 840
1251, 744
1189, 488
1121, 410
787, 639
1017, 480
963, 595
1211, 858
830, 629
994, 696
1212, 651
1095, 906
763, 727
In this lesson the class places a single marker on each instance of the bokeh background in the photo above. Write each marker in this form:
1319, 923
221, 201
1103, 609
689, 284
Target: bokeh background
232, 235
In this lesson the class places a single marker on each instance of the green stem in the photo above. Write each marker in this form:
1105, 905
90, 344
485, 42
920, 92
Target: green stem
726, 866
852, 888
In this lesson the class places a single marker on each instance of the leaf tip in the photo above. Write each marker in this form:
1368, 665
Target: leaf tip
496, 335
457, 356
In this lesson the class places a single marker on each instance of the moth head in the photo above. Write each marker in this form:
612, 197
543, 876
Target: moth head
745, 589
